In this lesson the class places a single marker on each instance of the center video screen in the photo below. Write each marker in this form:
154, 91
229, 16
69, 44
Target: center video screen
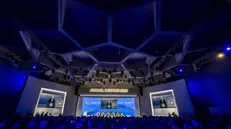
94, 105
109, 104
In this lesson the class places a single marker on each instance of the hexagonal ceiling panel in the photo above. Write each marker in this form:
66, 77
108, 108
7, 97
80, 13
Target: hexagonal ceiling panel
85, 25
176, 17
117, 67
211, 37
161, 44
113, 6
132, 27
36, 14
133, 63
55, 41
109, 53
193, 56
82, 59
13, 42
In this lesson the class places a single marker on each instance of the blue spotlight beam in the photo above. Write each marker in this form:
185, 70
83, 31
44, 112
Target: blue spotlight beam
154, 14
158, 16
61, 12
109, 28
72, 39
173, 33
78, 44
96, 46
154, 34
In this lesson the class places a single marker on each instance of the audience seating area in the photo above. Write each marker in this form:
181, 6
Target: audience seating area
49, 122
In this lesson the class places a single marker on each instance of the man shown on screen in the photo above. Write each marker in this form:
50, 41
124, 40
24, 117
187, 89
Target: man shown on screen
163, 103
51, 102
108, 104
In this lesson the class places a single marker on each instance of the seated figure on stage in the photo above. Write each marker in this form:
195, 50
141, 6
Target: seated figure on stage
121, 114
100, 114
104, 114
110, 113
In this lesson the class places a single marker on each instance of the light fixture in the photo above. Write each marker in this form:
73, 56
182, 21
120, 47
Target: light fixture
220, 55
34, 67
181, 70
228, 48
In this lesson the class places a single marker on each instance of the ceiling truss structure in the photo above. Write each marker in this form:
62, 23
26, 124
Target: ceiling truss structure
29, 38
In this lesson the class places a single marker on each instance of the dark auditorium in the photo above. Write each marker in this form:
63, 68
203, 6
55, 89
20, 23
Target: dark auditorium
115, 64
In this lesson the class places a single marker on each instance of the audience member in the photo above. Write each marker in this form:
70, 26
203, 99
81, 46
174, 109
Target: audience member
60, 122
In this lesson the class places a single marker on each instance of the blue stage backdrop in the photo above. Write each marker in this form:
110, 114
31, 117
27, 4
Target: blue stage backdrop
93, 106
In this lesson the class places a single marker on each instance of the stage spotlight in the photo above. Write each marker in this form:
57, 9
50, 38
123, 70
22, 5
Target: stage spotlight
228, 48
220, 55
34, 67
181, 70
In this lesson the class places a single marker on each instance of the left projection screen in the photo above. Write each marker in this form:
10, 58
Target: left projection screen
50, 102
92, 106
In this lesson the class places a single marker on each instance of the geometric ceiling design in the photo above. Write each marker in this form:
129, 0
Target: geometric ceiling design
116, 32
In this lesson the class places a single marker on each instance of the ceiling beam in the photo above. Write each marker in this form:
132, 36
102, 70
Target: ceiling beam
102, 62
127, 57
125, 70
97, 46
187, 41
154, 34
28, 43
92, 57
128, 49
70, 38
199, 50
92, 69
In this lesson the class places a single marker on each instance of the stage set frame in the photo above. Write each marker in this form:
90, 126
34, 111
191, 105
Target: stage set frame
54, 91
158, 93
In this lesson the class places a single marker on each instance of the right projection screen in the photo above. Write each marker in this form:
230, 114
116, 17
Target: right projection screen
163, 103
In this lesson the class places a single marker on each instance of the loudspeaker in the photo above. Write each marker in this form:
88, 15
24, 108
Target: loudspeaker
141, 91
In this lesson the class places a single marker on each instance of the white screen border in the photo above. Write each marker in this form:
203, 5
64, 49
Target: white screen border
51, 90
160, 92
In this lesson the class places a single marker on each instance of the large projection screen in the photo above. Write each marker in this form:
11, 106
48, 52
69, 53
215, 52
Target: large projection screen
50, 102
163, 103
92, 106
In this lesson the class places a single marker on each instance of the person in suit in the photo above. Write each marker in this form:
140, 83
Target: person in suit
163, 103
51, 102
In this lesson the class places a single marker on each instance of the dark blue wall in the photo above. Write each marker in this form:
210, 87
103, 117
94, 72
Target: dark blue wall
11, 86
211, 88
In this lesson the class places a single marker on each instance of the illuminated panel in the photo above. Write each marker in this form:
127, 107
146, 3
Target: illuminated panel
94, 105
51, 101
163, 103
102, 90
